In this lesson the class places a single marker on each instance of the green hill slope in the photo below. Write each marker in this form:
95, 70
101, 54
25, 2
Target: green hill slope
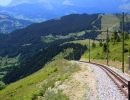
110, 21
28, 88
115, 54
37, 83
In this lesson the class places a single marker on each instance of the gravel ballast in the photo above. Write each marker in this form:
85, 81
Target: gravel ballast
107, 90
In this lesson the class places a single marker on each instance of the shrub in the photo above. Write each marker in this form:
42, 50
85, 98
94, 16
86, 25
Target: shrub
126, 36
93, 45
118, 39
126, 50
34, 97
115, 37
51, 95
100, 44
2, 85
55, 70
105, 47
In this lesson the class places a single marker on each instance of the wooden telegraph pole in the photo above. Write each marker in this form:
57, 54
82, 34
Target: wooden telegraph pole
107, 40
129, 60
89, 49
123, 42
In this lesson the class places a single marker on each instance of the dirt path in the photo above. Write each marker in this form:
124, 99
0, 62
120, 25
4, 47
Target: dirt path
81, 85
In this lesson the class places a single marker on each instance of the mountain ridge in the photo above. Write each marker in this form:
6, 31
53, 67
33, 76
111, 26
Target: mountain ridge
46, 11
9, 23
62, 26
32, 34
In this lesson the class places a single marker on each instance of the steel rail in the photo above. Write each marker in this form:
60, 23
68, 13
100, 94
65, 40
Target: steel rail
123, 84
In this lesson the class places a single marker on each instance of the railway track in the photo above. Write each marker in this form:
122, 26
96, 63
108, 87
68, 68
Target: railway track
122, 83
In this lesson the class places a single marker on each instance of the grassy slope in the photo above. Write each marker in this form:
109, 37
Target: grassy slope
83, 42
51, 38
111, 21
25, 89
115, 55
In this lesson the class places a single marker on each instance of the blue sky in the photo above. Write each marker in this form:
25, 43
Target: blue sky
97, 4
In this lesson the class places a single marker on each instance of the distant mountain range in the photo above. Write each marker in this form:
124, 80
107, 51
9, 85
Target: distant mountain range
42, 10
38, 12
34, 12
9, 23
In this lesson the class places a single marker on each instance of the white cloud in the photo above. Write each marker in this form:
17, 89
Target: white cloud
4, 2
47, 4
17, 2
125, 6
68, 2
125, 0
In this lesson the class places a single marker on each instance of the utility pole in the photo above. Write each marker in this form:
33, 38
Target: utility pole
129, 60
81, 53
107, 40
123, 42
129, 51
89, 49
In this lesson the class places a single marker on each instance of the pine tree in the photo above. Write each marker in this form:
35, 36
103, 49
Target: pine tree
100, 44
93, 45
105, 48
115, 37
126, 35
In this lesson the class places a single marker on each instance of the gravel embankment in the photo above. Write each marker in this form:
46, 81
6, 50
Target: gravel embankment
124, 75
107, 90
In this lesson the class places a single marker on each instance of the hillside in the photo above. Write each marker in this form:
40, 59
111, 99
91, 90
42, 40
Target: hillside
32, 86
9, 23
31, 37
38, 83
38, 60
115, 54
56, 70
36, 40
40, 37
